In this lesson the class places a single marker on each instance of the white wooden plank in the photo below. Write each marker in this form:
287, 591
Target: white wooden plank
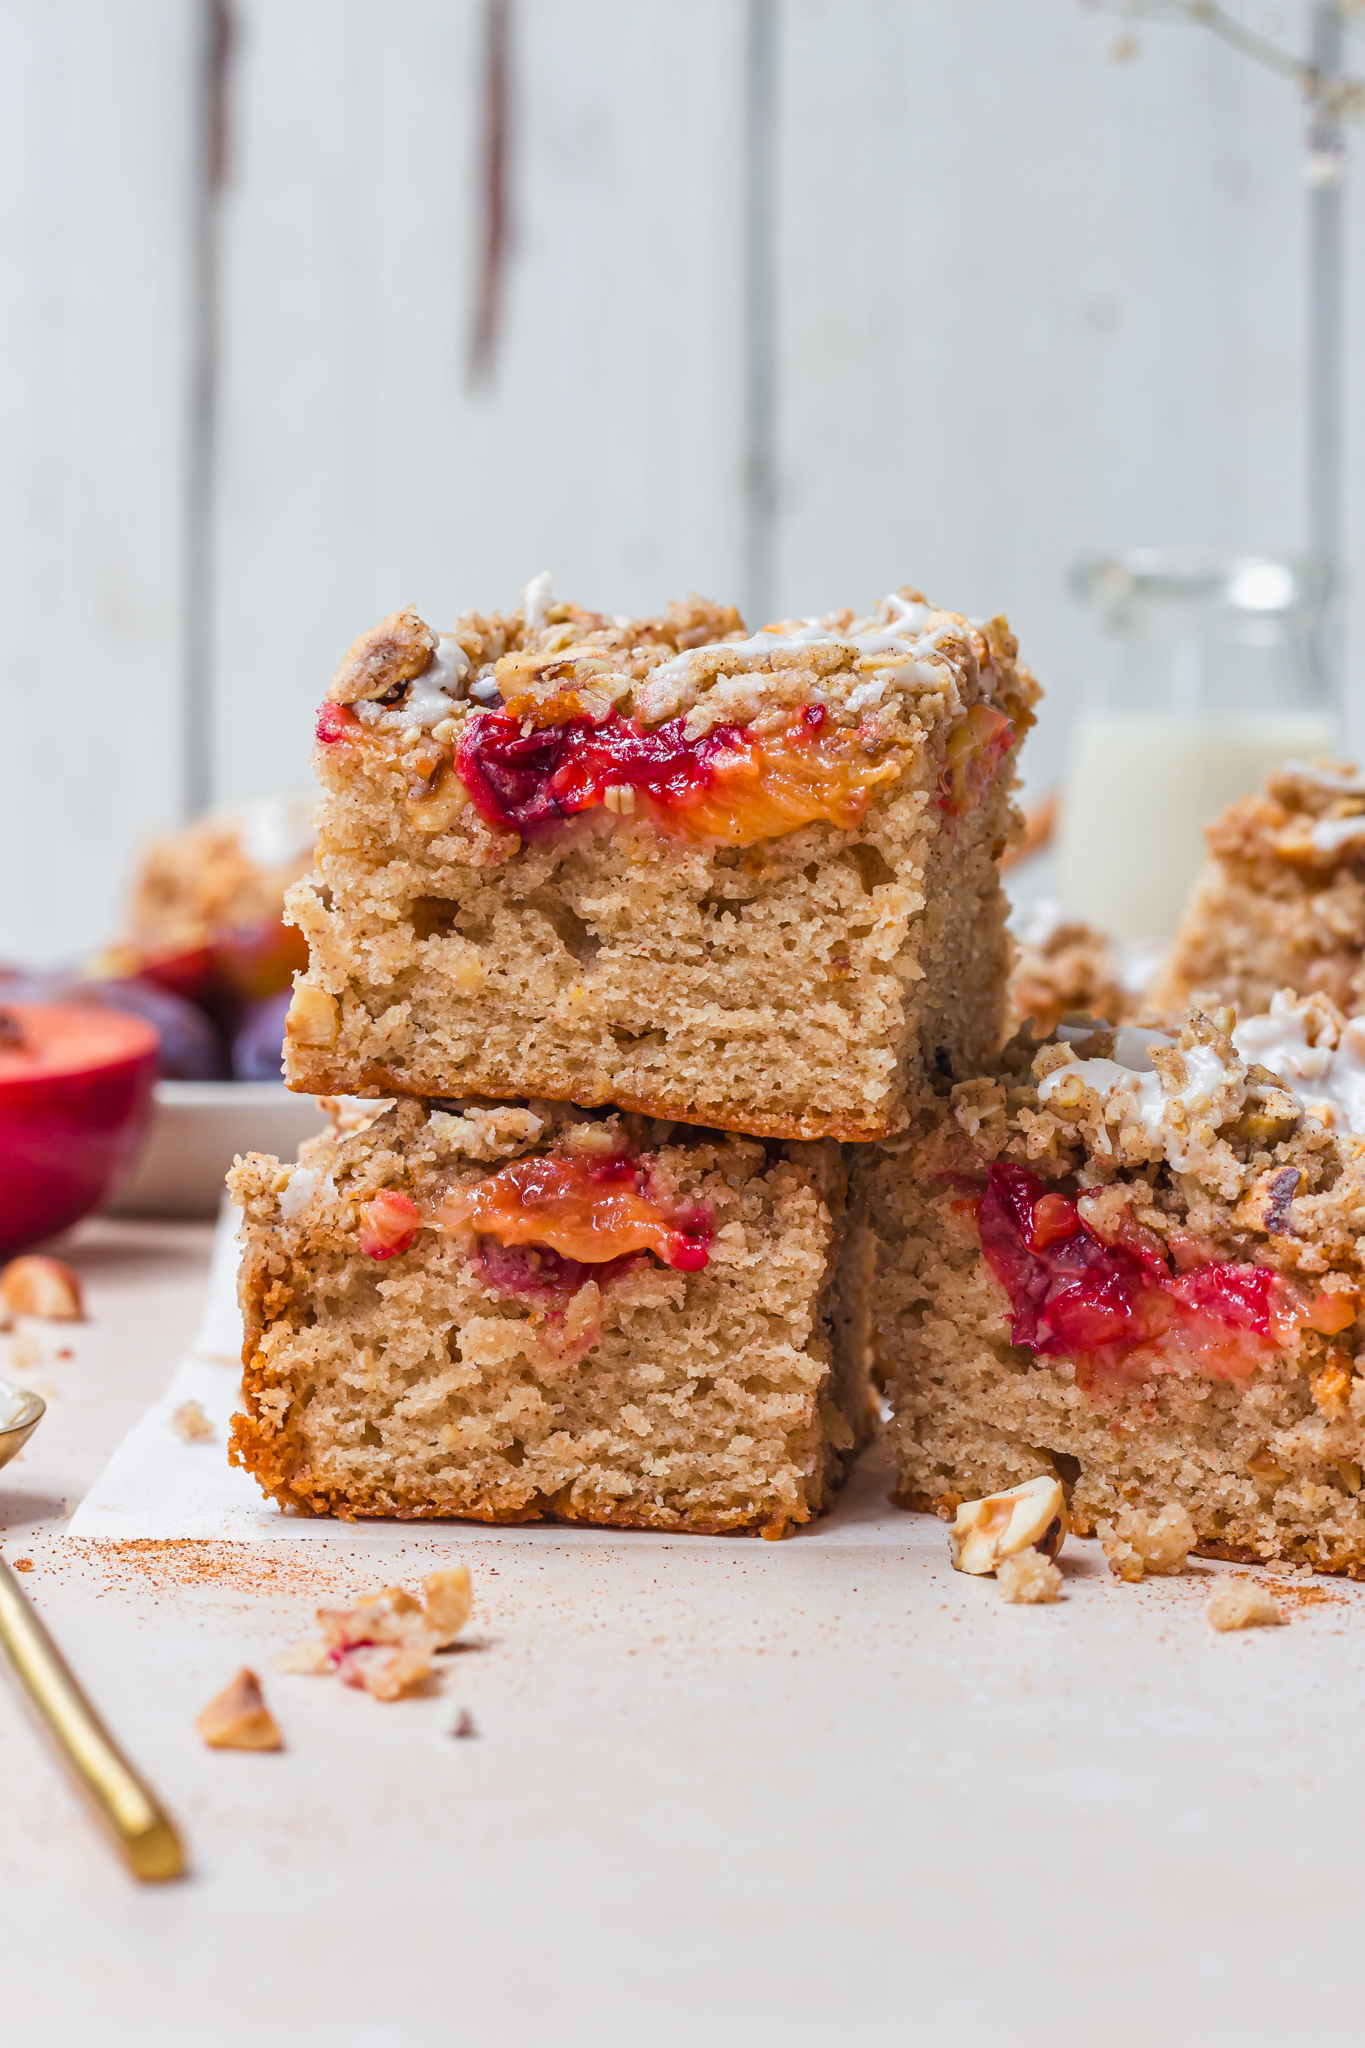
1031, 302
94, 148
1035, 303
359, 468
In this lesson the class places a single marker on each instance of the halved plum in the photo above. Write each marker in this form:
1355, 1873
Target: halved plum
75, 1094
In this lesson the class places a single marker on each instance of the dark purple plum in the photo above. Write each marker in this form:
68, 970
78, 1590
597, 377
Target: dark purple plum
191, 1049
258, 1048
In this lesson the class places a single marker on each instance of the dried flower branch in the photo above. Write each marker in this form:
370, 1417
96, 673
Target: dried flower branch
1333, 93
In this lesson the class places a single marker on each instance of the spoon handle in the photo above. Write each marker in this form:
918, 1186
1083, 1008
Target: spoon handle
141, 1829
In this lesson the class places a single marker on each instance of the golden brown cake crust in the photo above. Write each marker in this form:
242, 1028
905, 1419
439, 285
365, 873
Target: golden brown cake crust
251, 1449
382, 1082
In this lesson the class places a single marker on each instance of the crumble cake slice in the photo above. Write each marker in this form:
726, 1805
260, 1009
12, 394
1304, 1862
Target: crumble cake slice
746, 883
220, 873
1063, 965
1280, 902
1136, 1261
522, 1312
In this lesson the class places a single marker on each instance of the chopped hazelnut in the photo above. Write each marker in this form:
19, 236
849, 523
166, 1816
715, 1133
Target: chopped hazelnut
592, 1138
1028, 1578
38, 1286
447, 1598
1241, 1603
1032, 1516
239, 1717
385, 1672
313, 1017
191, 1424
1331, 1388
467, 973
391, 653
392, 1616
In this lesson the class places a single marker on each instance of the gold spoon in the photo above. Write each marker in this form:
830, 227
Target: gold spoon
142, 1831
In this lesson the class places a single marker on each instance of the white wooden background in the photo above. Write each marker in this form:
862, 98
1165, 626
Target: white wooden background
1027, 301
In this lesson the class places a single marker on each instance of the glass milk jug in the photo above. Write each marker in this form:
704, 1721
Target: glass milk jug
1210, 680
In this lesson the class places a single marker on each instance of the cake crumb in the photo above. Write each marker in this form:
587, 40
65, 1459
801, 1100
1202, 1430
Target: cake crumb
23, 1564
384, 1644
191, 1424
1241, 1603
1135, 1543
25, 1352
1028, 1579
238, 1717
463, 1725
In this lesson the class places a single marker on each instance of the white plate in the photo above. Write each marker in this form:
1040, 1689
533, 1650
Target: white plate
197, 1129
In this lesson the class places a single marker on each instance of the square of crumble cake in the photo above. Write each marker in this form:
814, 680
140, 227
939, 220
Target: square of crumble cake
1136, 1261
513, 1313
746, 883
1280, 902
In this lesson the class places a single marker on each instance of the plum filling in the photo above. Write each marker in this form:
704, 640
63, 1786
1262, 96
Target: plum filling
389, 1223
730, 784
545, 1225
531, 1271
590, 1211
335, 721
1117, 1309
972, 759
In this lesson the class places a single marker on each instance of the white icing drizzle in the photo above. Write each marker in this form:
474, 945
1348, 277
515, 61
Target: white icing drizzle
1341, 781
535, 600
1329, 1084
1329, 835
1131, 1084
892, 642
429, 698
441, 684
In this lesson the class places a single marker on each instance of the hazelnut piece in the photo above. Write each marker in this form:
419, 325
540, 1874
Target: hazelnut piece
1028, 1517
239, 1717
446, 1599
313, 1017
37, 1286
